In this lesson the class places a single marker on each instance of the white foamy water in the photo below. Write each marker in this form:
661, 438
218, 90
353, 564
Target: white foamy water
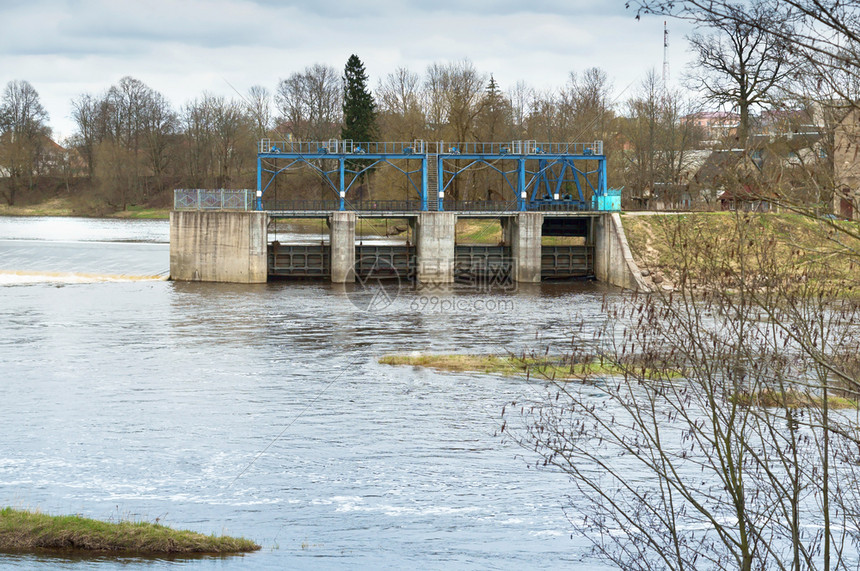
33, 277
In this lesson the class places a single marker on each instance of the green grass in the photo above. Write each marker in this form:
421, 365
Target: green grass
478, 231
22, 530
548, 367
76, 206
791, 399
142, 212
800, 250
364, 227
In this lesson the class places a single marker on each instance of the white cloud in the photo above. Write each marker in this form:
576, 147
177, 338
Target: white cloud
184, 47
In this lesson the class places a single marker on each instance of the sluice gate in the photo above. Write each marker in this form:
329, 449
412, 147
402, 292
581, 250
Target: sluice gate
472, 263
566, 262
486, 264
381, 262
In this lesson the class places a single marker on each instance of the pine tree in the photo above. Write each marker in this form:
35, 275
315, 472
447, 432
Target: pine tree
359, 109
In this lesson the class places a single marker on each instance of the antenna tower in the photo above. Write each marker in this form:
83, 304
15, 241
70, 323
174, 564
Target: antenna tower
665, 55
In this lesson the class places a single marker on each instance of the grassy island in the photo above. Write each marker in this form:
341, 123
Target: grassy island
548, 367
792, 399
22, 530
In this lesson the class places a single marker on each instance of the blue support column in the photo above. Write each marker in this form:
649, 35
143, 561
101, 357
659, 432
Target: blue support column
424, 190
342, 192
440, 184
259, 201
601, 184
521, 184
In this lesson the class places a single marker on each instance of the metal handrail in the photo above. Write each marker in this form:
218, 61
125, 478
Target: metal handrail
213, 199
361, 206
422, 148
480, 205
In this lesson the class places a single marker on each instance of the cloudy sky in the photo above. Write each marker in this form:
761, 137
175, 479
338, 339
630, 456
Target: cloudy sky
184, 47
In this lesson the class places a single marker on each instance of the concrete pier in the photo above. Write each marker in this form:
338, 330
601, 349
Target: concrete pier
434, 241
613, 262
342, 228
524, 233
218, 246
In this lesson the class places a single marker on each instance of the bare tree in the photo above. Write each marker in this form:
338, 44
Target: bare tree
232, 130
585, 108
259, 107
135, 147
23, 131
453, 93
87, 113
660, 141
740, 65
823, 35
714, 441
310, 103
400, 112
521, 97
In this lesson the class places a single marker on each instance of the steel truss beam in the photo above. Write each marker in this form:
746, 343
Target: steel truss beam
535, 177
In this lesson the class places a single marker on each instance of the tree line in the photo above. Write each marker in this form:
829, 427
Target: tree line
132, 144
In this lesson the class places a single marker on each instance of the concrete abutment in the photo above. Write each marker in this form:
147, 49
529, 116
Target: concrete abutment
218, 246
227, 246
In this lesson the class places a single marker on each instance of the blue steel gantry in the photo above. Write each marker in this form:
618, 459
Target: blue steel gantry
537, 176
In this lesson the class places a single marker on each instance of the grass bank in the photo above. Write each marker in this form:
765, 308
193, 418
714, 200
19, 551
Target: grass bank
69, 206
22, 530
795, 247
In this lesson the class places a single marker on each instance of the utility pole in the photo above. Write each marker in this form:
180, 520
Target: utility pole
665, 55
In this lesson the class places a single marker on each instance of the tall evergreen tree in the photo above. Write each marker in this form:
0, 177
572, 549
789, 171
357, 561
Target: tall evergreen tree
359, 109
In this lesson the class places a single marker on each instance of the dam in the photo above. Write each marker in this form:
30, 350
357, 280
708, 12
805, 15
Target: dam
548, 190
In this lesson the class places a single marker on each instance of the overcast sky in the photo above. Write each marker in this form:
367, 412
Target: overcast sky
184, 47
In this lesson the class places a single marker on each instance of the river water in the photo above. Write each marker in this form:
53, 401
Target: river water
261, 410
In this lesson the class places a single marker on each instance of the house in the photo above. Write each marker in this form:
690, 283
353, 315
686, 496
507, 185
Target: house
846, 166
728, 178
717, 125
50, 157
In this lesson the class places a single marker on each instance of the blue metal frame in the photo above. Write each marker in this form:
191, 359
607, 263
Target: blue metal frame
539, 176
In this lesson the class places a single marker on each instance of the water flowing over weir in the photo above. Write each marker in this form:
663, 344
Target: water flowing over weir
154, 399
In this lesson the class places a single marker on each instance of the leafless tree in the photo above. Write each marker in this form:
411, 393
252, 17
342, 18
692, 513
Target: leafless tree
400, 110
521, 97
259, 107
585, 108
23, 133
310, 103
88, 115
739, 65
713, 442
660, 140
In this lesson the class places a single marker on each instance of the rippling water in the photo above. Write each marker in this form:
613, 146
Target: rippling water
261, 410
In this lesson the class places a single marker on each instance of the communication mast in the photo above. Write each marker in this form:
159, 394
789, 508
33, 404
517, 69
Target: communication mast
665, 55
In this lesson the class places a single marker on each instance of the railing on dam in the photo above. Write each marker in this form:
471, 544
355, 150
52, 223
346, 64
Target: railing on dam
420, 147
451, 205
212, 199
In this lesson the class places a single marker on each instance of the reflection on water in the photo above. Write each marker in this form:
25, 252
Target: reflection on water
262, 411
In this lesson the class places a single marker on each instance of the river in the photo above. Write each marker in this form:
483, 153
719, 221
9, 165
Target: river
261, 410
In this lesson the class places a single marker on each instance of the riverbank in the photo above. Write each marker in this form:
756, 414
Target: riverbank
71, 207
22, 530
803, 249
